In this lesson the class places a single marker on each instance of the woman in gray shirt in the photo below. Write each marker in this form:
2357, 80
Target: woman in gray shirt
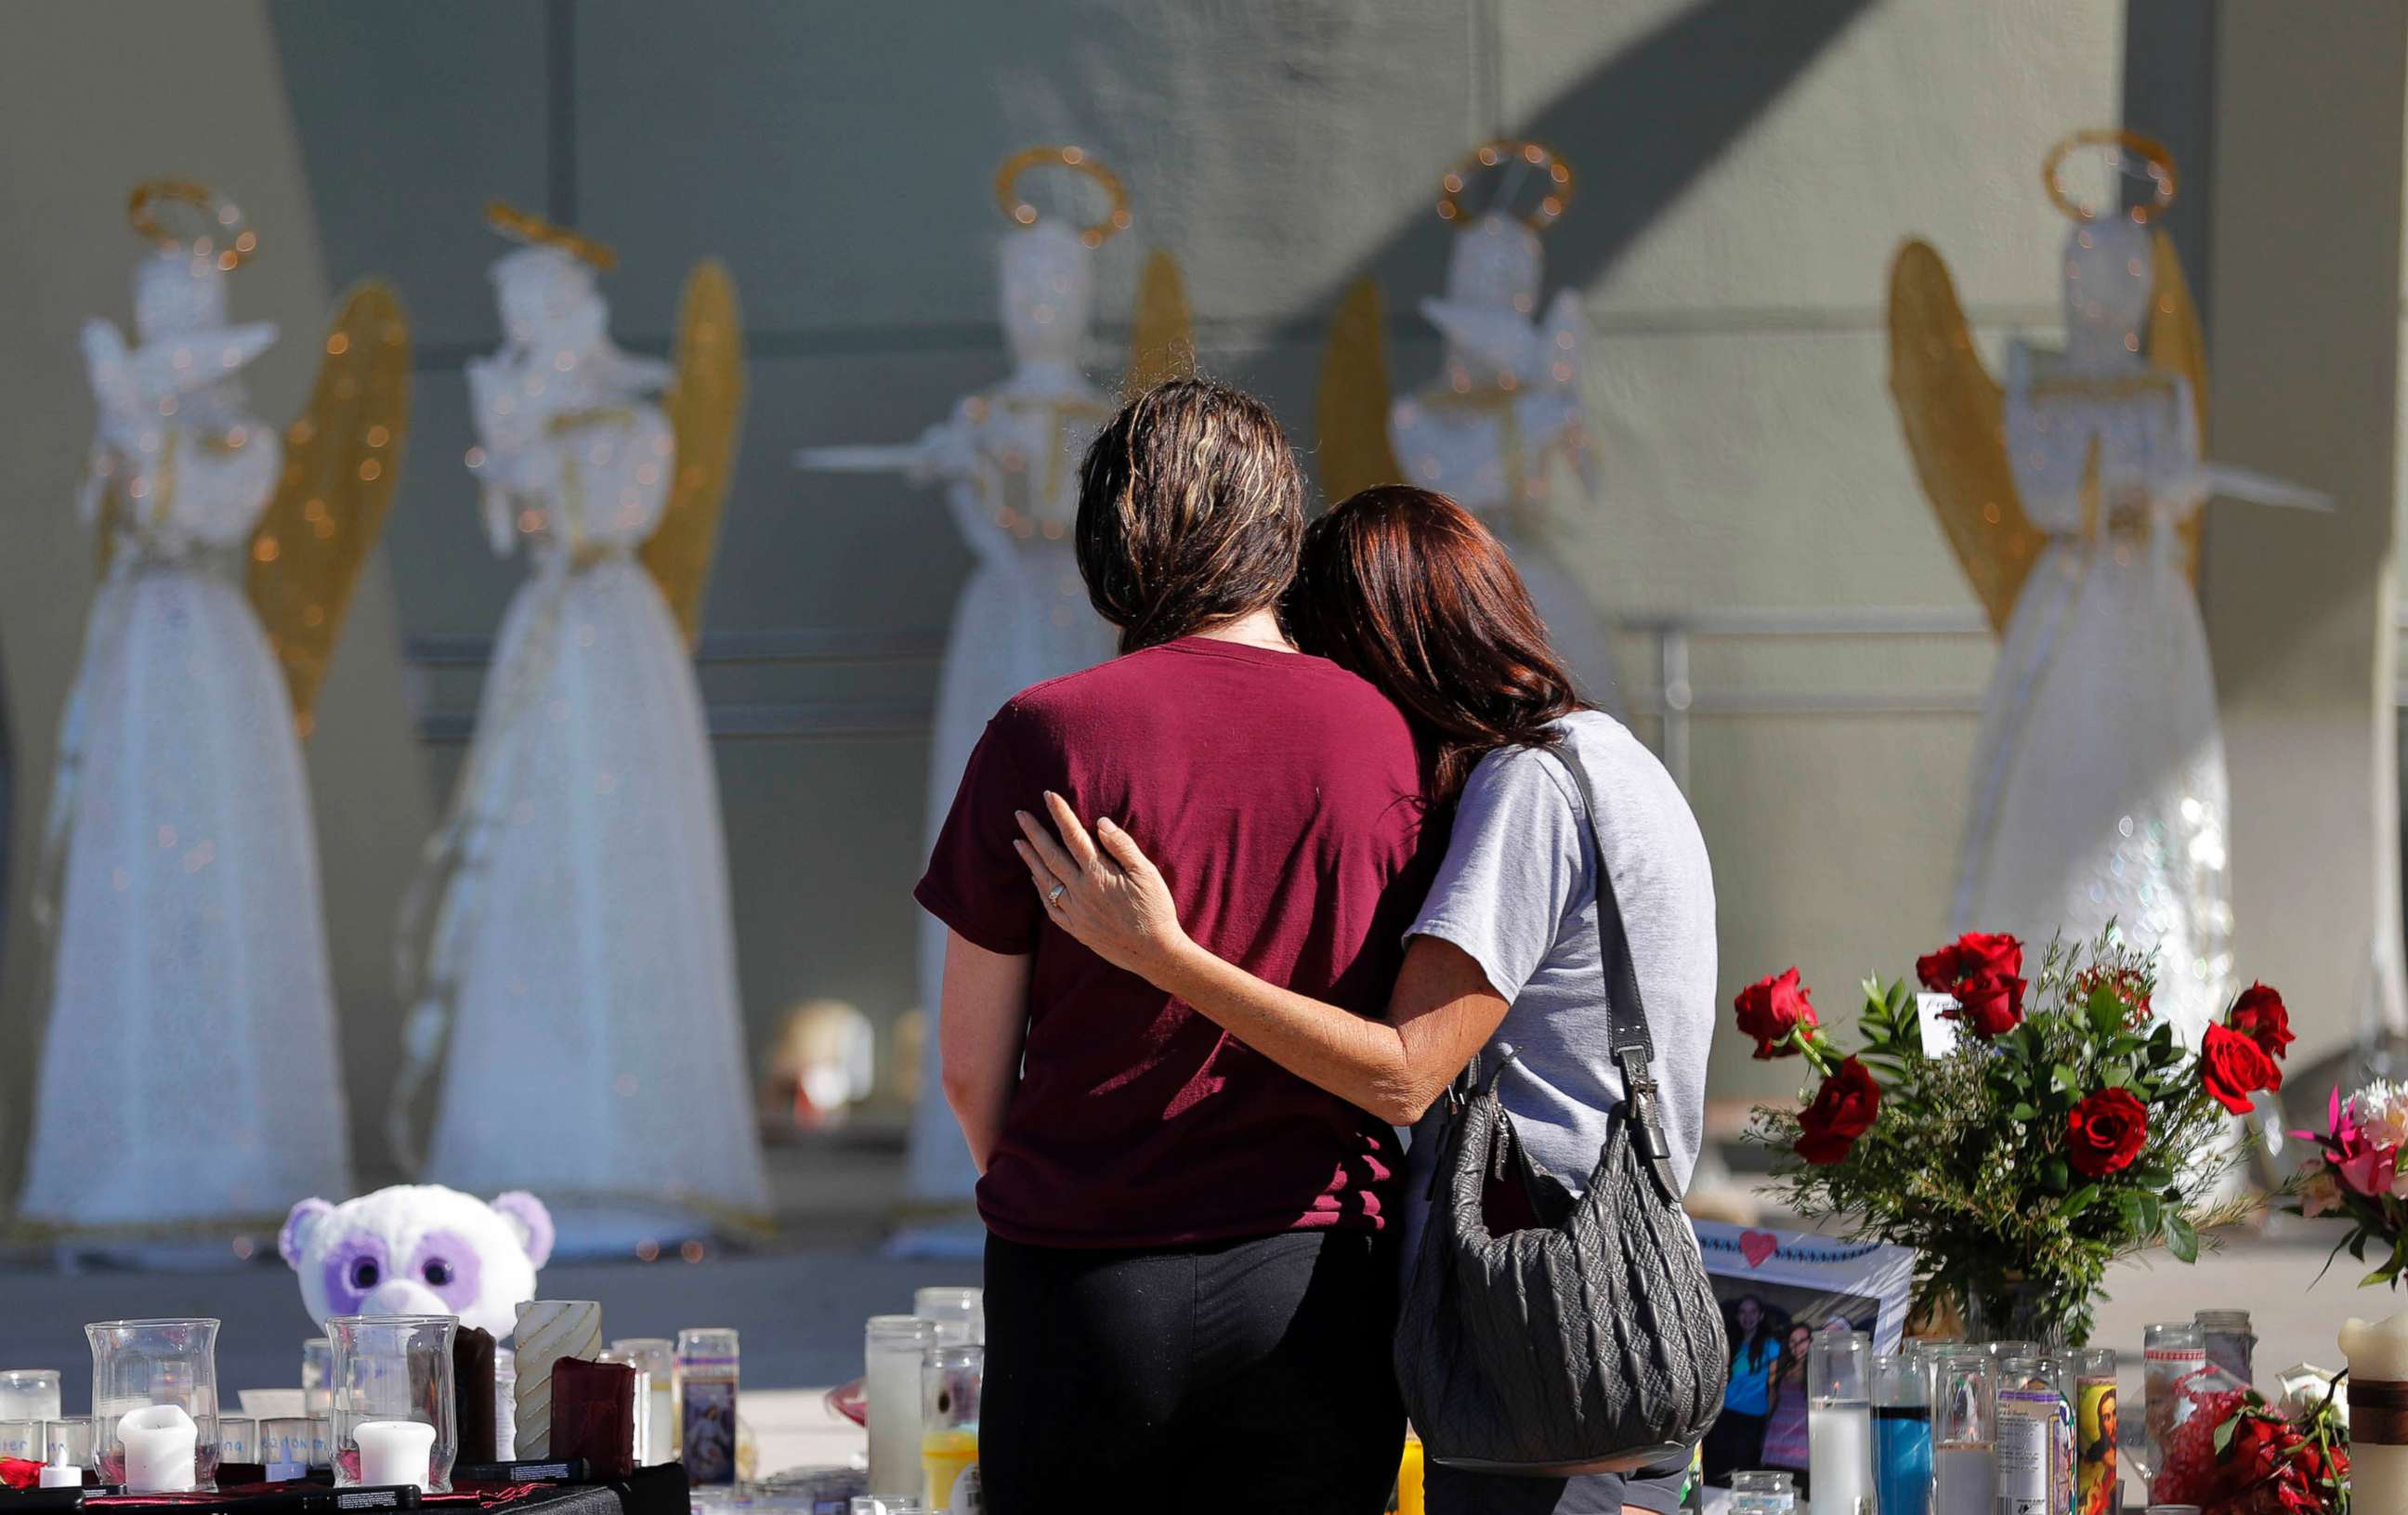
1407, 589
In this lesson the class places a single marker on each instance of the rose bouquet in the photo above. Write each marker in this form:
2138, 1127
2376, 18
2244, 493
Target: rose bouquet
2358, 1174
2033, 1133
2239, 1455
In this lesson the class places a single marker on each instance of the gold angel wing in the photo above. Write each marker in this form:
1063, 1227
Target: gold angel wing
1163, 344
342, 460
1955, 418
706, 408
1351, 411
2177, 344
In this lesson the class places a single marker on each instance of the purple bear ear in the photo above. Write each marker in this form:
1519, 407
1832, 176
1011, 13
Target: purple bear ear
293, 1242
530, 1220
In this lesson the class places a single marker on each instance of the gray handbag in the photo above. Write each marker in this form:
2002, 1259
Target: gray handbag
1591, 1341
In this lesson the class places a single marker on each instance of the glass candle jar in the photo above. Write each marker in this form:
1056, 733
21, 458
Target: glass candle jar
951, 1377
1763, 1494
317, 1372
894, 1347
30, 1393
66, 1442
395, 1422
959, 1314
290, 1446
237, 1439
656, 1411
1964, 1433
2096, 1423
708, 1369
2231, 1344
2173, 1352
154, 1404
1903, 1433
1838, 1420
2035, 1438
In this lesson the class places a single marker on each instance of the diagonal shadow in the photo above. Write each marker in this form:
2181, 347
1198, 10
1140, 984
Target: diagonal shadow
1643, 124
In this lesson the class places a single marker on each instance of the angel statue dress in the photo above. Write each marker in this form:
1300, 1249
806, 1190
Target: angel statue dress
567, 951
1507, 408
188, 1075
2072, 497
1008, 460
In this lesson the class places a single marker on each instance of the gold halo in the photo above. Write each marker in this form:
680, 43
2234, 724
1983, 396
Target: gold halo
2152, 154
524, 226
1079, 161
1494, 154
225, 218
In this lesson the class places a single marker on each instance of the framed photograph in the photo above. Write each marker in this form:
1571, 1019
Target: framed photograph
1777, 1289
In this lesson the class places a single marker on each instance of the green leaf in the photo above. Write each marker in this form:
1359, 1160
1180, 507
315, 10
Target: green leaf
2055, 1175
2023, 1111
2150, 1178
2078, 1201
2152, 1213
2223, 1433
2067, 1080
2182, 1238
2106, 1010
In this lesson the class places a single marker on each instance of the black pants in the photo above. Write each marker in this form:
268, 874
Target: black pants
1247, 1375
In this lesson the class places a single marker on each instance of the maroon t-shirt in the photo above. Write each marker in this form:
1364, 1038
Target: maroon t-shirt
1281, 799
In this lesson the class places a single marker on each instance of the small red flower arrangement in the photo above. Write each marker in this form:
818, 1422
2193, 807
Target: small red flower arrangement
2066, 1128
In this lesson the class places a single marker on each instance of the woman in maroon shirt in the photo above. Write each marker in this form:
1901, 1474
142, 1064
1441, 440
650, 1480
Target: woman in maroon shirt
1188, 1299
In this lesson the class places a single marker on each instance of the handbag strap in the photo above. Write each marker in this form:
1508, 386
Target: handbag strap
1632, 1045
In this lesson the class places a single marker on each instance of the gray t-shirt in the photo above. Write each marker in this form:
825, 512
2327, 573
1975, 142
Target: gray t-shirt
1517, 892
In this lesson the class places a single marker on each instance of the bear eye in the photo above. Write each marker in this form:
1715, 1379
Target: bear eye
437, 1272
365, 1274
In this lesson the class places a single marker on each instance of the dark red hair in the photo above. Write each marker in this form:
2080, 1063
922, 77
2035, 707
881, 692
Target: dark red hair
1408, 589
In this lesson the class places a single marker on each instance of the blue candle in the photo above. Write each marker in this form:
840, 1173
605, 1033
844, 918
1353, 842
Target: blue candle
1902, 1458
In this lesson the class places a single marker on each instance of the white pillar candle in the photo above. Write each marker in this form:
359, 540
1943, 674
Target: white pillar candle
548, 1330
2378, 1414
159, 1441
395, 1452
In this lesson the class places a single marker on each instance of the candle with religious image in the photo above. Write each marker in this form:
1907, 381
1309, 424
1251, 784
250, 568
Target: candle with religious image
2378, 1414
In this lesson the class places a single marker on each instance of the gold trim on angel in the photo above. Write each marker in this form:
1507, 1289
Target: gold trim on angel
1496, 154
141, 213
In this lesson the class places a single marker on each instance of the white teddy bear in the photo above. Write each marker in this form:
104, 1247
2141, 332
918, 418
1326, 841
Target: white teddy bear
419, 1249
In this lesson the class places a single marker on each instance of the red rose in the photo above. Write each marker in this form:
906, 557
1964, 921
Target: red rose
1974, 954
1769, 1008
1991, 1004
1842, 1111
2105, 1132
2259, 1015
2233, 1068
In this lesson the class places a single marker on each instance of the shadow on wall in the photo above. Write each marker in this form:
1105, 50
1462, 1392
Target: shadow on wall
1646, 122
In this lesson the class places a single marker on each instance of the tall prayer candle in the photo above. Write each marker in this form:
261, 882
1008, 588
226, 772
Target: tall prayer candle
395, 1452
160, 1442
548, 1330
2378, 1414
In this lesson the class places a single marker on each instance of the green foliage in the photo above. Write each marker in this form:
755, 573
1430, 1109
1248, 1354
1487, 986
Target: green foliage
1966, 1163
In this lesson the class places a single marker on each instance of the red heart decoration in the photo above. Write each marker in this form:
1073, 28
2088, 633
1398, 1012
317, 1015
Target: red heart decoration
1758, 1246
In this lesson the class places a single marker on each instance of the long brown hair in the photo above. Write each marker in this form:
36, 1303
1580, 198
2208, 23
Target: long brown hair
1190, 507
1408, 589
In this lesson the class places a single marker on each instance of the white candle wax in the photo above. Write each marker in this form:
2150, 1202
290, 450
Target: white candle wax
395, 1452
159, 1441
1840, 1457
2378, 1354
35, 1404
62, 1476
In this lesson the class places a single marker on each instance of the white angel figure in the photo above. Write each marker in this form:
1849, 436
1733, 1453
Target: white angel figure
2070, 495
1008, 460
188, 1072
567, 951
1506, 409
